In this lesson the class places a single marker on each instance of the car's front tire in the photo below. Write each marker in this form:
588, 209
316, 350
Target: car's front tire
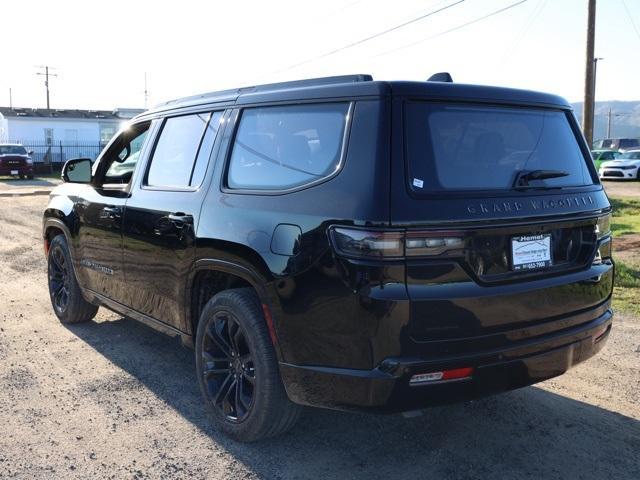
238, 370
66, 298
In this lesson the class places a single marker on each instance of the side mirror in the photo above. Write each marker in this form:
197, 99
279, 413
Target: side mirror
29, 152
77, 170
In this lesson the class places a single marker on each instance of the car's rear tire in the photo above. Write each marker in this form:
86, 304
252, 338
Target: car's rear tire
236, 358
66, 298
30, 176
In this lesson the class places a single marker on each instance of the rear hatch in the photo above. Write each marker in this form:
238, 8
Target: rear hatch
503, 217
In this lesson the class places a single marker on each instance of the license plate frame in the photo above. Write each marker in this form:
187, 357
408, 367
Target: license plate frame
531, 252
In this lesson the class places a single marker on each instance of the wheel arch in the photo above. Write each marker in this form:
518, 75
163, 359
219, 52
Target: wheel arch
232, 272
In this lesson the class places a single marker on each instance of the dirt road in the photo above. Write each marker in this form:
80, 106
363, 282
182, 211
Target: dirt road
113, 399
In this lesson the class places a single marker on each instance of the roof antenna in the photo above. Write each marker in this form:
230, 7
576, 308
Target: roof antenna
441, 77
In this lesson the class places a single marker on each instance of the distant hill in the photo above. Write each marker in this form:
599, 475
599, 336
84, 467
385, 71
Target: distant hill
625, 119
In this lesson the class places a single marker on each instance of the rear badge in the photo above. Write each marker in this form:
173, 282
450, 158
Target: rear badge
531, 252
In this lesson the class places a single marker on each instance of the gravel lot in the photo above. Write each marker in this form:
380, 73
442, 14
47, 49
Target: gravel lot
114, 399
616, 188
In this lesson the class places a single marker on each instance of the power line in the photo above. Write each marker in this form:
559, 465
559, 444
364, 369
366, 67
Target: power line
532, 18
633, 24
379, 34
496, 12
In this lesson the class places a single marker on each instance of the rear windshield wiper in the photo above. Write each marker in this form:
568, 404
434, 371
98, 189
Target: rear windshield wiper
523, 177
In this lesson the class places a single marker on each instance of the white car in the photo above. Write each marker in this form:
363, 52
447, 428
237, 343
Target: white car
625, 167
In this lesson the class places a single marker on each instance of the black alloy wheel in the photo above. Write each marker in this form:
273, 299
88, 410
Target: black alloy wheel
67, 300
238, 370
59, 279
228, 367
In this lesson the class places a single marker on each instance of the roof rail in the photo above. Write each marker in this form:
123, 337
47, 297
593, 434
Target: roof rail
309, 82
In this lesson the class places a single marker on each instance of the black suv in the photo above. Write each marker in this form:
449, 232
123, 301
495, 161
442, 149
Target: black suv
344, 243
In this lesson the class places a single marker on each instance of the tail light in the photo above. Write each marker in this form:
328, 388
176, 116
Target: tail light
603, 237
390, 245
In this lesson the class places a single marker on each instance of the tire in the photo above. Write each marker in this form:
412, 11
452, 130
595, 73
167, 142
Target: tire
244, 368
30, 176
66, 298
21, 177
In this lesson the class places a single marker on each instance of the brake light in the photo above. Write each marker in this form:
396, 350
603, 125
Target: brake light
357, 243
368, 244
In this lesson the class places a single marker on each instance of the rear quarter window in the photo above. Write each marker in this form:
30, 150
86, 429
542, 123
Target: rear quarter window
284, 147
475, 147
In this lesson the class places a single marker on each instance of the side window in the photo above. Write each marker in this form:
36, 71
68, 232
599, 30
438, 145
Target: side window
277, 148
181, 155
121, 159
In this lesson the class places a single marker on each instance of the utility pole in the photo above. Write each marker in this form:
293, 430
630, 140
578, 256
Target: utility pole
609, 124
46, 80
10, 99
589, 79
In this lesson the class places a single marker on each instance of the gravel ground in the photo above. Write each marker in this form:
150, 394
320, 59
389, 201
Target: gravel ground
114, 399
617, 188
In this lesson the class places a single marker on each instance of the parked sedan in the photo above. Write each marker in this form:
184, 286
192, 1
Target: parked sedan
602, 155
625, 167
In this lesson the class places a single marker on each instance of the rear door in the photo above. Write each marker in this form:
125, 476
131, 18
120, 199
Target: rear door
162, 214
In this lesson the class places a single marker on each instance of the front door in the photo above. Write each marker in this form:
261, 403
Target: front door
100, 209
162, 213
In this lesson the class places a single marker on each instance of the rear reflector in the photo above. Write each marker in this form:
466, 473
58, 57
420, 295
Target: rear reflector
443, 376
600, 333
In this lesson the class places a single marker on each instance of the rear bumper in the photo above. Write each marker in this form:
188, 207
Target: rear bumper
386, 388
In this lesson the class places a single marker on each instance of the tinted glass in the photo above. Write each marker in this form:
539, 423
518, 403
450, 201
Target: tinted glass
278, 148
175, 153
12, 150
465, 147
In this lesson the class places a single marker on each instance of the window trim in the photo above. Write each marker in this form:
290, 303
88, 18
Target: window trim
102, 170
173, 188
253, 191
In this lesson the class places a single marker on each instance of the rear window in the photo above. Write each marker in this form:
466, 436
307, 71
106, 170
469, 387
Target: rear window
467, 147
278, 148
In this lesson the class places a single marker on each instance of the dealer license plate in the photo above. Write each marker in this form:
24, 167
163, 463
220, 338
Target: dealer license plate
531, 252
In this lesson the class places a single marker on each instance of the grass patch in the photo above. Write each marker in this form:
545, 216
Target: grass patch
626, 291
626, 215
626, 300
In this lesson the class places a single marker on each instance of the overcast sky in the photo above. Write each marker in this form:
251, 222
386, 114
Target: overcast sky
101, 50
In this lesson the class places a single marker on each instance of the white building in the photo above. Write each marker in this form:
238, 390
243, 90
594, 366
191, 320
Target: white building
35, 125
57, 134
